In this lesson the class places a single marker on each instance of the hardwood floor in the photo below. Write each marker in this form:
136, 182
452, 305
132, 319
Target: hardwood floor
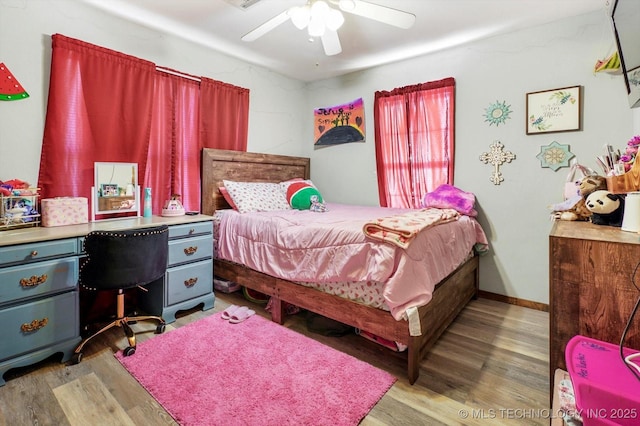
489, 368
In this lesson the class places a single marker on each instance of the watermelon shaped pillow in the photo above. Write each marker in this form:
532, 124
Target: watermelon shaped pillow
299, 195
10, 89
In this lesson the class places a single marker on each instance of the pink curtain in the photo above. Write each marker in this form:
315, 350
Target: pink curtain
174, 151
99, 109
224, 122
414, 129
110, 107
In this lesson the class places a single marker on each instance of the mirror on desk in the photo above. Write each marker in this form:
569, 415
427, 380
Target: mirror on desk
115, 188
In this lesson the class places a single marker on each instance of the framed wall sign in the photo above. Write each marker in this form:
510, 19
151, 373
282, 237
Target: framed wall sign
557, 110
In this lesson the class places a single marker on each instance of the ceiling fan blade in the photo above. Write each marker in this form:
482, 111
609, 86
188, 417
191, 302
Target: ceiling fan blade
331, 42
266, 27
384, 14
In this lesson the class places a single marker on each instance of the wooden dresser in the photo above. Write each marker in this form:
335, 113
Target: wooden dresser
590, 286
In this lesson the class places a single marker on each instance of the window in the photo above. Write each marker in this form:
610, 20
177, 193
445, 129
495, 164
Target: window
414, 128
106, 106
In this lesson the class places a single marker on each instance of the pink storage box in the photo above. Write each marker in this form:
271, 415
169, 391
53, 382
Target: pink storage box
64, 211
606, 392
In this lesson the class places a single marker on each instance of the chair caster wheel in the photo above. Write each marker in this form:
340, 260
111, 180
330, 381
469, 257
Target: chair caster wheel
160, 329
85, 332
76, 358
129, 351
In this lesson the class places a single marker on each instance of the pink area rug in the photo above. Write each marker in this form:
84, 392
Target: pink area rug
211, 372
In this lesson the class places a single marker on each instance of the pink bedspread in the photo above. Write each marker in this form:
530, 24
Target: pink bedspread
331, 247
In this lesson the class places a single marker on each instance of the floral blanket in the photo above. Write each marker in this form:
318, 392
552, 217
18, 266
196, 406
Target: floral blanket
401, 229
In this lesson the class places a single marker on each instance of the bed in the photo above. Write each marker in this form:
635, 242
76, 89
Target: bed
449, 296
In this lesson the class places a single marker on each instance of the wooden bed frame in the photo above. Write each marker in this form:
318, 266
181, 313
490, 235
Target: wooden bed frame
451, 295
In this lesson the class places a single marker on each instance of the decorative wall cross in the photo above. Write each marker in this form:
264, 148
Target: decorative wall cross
497, 157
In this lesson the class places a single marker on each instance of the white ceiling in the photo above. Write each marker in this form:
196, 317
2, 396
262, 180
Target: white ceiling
440, 24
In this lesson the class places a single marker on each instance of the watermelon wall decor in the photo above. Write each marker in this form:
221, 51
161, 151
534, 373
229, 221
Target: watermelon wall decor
10, 89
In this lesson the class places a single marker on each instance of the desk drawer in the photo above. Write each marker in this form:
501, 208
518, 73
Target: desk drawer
189, 281
38, 324
37, 279
190, 229
37, 251
190, 249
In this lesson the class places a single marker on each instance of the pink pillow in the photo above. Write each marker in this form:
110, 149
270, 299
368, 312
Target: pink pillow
449, 197
227, 197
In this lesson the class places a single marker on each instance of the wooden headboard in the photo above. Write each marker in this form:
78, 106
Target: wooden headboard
219, 164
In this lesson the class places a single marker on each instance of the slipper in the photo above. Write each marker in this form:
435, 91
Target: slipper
240, 315
226, 314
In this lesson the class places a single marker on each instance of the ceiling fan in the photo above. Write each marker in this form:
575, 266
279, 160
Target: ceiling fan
322, 19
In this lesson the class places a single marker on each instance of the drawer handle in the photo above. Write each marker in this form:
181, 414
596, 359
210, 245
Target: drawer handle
190, 250
192, 231
33, 281
190, 282
35, 325
34, 253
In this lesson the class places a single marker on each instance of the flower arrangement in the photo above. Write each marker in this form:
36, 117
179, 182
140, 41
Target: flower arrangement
630, 153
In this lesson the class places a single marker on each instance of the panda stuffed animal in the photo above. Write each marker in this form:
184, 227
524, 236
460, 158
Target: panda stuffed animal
606, 208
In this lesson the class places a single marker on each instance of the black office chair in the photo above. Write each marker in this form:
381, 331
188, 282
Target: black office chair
120, 260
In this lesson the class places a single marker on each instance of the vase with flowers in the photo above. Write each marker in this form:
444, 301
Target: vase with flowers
631, 151
628, 181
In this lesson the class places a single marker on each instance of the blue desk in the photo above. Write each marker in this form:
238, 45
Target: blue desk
39, 296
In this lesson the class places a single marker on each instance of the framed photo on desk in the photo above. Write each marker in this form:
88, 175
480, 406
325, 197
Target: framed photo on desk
109, 189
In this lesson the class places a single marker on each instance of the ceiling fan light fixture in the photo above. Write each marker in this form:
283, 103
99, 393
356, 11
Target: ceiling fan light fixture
316, 26
300, 16
319, 8
317, 22
334, 19
347, 5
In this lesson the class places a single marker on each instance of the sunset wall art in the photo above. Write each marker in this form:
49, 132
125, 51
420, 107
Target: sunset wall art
339, 124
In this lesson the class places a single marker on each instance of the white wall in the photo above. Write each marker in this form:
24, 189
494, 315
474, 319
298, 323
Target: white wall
505, 68
514, 214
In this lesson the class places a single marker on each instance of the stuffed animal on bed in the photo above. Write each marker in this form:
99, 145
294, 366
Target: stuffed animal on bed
304, 196
317, 205
606, 208
448, 196
575, 208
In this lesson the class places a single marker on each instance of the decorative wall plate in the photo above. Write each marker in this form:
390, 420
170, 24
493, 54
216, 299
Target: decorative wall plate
497, 157
497, 113
554, 156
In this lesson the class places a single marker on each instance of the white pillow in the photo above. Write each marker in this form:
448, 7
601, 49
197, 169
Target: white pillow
256, 196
